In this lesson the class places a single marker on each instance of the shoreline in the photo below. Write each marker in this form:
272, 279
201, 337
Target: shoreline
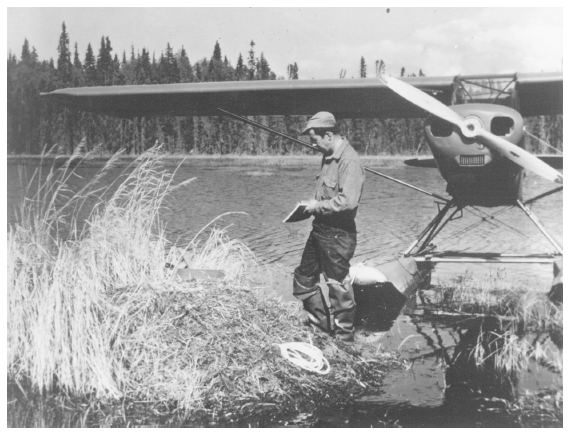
210, 160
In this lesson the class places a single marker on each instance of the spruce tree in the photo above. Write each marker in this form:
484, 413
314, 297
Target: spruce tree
77, 70
90, 67
217, 52
108, 47
105, 62
34, 55
64, 57
240, 69
362, 68
186, 75
26, 56
101, 62
143, 70
172, 72
251, 64
263, 70
162, 68
380, 67
76, 61
118, 78
12, 59
293, 71
199, 72
154, 77
215, 66
211, 76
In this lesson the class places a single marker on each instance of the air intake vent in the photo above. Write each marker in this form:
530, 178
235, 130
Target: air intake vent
472, 160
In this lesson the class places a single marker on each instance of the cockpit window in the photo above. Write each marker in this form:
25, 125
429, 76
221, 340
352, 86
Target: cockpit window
502, 126
441, 128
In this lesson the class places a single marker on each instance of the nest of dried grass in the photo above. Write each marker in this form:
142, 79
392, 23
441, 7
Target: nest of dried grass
211, 346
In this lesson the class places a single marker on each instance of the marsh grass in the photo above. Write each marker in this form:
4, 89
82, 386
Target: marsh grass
530, 326
59, 272
94, 314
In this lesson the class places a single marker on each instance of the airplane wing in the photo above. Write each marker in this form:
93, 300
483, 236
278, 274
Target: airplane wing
535, 94
346, 98
539, 94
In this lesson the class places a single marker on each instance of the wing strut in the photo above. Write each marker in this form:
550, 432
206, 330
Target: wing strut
305, 144
536, 222
270, 130
403, 183
542, 195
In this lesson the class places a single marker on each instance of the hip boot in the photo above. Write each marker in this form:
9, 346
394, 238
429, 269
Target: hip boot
341, 296
308, 291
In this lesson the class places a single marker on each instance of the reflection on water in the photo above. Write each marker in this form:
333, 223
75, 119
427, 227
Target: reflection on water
443, 386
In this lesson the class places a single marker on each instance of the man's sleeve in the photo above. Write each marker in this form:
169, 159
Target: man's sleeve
350, 182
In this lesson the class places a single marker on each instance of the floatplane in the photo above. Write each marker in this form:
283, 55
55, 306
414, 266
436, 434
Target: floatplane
474, 128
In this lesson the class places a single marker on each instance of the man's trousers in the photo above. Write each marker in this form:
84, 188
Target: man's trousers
328, 251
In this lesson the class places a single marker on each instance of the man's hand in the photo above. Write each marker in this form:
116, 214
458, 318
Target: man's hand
310, 205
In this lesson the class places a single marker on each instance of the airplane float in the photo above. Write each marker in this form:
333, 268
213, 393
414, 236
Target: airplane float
475, 131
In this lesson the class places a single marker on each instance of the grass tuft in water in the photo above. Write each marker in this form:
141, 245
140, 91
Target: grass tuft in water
529, 329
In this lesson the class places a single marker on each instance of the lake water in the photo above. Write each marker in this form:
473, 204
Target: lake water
389, 218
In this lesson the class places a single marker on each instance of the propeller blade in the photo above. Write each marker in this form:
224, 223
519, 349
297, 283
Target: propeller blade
520, 156
423, 100
469, 128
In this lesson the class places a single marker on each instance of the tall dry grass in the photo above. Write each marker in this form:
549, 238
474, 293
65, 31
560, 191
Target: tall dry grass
531, 334
530, 325
96, 313
59, 272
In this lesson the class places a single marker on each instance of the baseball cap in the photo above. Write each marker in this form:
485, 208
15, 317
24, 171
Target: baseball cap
319, 120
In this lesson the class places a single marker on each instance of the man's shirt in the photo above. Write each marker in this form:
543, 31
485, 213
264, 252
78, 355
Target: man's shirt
339, 188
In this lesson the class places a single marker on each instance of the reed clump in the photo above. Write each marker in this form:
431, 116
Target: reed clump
95, 313
529, 327
60, 272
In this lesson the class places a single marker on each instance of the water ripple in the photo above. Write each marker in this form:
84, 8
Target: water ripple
389, 217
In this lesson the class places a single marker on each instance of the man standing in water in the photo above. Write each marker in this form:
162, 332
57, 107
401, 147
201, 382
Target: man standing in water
332, 241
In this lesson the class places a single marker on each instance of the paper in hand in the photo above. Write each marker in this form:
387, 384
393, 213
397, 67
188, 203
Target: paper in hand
299, 213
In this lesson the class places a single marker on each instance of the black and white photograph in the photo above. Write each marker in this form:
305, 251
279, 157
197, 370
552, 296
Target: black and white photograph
270, 215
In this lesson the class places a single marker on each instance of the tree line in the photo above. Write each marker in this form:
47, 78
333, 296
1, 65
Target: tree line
34, 125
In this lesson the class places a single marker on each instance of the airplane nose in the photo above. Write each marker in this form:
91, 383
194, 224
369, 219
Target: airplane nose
471, 126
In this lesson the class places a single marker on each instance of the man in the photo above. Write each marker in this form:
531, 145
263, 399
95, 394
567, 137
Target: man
332, 241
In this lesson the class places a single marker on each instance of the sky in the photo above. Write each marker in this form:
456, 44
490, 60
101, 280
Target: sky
323, 41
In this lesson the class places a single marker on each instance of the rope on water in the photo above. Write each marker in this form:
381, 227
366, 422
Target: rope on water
306, 356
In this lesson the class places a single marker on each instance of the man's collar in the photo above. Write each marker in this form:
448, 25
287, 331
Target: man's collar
338, 152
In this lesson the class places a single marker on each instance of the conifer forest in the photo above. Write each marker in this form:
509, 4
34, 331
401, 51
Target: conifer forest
35, 125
